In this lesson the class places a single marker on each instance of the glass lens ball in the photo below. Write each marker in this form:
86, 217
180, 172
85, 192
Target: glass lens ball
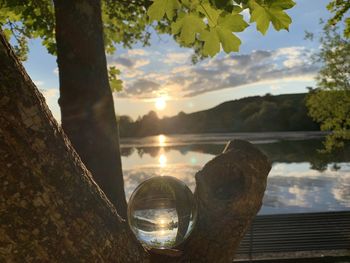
162, 212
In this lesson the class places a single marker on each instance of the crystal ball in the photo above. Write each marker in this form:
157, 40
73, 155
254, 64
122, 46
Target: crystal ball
162, 212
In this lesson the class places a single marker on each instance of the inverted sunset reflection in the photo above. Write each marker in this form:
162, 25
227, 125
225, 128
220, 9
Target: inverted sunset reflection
162, 160
162, 140
292, 185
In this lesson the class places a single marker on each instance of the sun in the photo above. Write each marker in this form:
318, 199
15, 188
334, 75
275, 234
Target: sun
160, 103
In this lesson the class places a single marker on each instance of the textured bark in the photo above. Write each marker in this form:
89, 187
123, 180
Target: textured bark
53, 211
87, 109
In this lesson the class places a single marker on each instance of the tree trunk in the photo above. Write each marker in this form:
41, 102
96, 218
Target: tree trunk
53, 211
87, 108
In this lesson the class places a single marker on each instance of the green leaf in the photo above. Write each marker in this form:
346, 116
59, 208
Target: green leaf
236, 9
211, 13
161, 7
211, 42
233, 22
188, 26
264, 14
116, 85
347, 28
216, 35
172, 6
229, 42
8, 33
279, 19
37, 12
190, 4
260, 16
282, 4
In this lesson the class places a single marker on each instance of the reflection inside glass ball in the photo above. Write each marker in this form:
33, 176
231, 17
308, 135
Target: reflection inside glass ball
162, 212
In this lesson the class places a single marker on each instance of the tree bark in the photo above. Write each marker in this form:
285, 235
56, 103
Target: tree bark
53, 211
87, 108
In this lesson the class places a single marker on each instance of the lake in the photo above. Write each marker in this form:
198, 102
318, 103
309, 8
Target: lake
301, 179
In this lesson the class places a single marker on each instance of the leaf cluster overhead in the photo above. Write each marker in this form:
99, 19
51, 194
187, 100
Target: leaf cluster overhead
205, 25
125, 22
210, 25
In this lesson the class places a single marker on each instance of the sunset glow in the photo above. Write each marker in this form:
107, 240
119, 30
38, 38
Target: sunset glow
160, 103
162, 78
162, 222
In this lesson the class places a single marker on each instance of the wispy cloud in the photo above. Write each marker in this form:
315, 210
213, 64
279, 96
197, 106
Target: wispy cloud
50, 94
129, 63
177, 58
137, 52
55, 71
38, 83
143, 86
260, 66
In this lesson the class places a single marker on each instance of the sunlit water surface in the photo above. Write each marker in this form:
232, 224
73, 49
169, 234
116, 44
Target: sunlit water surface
301, 179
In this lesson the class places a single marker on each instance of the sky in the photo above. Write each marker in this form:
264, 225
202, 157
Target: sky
161, 77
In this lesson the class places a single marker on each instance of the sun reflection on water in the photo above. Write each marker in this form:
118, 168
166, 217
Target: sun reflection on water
162, 222
162, 140
162, 160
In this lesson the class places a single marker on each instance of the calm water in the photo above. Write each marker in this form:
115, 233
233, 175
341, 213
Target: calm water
301, 179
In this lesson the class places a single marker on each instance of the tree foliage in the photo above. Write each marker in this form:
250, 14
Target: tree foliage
209, 25
125, 23
329, 104
339, 8
202, 24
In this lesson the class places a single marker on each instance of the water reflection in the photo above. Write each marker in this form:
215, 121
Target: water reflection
301, 179
162, 160
162, 212
162, 140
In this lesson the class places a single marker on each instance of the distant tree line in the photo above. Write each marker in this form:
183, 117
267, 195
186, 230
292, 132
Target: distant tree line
252, 114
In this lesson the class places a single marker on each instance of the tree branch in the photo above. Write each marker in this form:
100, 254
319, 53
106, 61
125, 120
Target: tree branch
53, 211
229, 193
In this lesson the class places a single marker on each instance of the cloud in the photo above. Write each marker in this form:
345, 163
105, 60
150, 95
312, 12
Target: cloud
140, 87
141, 62
128, 62
124, 62
55, 71
260, 66
133, 73
50, 94
38, 83
129, 65
294, 56
137, 52
177, 57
